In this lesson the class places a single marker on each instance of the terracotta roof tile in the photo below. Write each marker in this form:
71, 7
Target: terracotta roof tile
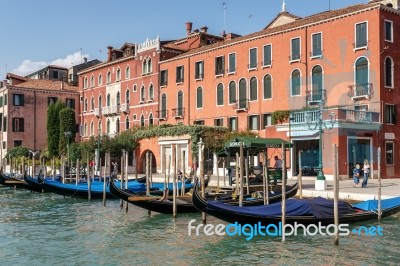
44, 84
14, 76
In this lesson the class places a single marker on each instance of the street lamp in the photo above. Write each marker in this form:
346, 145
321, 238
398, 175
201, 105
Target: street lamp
315, 121
67, 135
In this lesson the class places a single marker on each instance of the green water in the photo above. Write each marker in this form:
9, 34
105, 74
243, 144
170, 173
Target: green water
48, 229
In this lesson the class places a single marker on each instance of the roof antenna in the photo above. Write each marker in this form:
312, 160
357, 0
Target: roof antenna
283, 6
224, 6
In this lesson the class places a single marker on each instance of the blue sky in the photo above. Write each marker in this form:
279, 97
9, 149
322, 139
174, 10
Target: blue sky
37, 33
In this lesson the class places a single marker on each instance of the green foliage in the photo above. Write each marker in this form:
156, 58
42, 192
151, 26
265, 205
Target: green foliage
280, 116
17, 152
67, 124
53, 127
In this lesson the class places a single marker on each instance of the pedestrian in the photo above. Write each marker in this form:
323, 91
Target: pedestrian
367, 169
356, 175
278, 162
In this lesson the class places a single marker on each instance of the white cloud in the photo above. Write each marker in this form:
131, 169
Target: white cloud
28, 66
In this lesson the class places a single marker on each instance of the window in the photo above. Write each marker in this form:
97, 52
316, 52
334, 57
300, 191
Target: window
267, 60
388, 72
150, 119
127, 96
242, 104
85, 132
108, 126
199, 70
388, 31
180, 104
317, 84
5, 99
295, 82
164, 77
17, 143
232, 123
142, 94
18, 125
4, 145
199, 97
198, 122
85, 107
100, 102
151, 93
295, 49
361, 35
267, 120
92, 81
70, 103
253, 58
18, 99
253, 122
108, 77
316, 45
85, 83
5, 124
253, 89
99, 128
219, 122
51, 100
117, 125
142, 120
220, 94
362, 75
127, 72
179, 74
127, 123
1, 101
390, 114
163, 110
149, 66
92, 128
219, 65
118, 75
267, 87
134, 88
389, 150
92, 103
100, 80
55, 74
118, 98
144, 67
232, 92
108, 99
232, 63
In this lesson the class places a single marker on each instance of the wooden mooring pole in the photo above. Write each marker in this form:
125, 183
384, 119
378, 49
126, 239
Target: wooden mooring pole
379, 185
283, 190
335, 194
300, 176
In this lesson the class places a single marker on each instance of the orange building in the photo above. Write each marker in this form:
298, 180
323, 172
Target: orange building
330, 73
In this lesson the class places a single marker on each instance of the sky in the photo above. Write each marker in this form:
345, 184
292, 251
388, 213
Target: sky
38, 33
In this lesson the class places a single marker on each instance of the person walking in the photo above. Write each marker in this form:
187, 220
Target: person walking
367, 169
356, 175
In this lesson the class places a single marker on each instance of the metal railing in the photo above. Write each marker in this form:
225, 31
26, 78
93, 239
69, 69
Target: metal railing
178, 112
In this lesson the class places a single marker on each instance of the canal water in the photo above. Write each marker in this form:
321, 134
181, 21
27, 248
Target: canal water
48, 229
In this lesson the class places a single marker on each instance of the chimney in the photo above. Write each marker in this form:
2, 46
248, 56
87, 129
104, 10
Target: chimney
85, 60
204, 29
189, 27
109, 53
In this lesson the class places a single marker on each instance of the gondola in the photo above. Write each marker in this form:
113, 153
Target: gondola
300, 211
184, 203
16, 182
34, 182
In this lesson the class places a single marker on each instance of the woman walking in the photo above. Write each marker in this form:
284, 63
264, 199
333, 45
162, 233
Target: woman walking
366, 169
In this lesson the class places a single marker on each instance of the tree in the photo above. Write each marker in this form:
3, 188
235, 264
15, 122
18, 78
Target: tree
17, 152
53, 127
67, 129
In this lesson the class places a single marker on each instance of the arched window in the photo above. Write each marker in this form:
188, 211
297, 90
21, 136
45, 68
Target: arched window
127, 122
163, 113
199, 97
267, 87
117, 125
127, 72
180, 103
149, 66
150, 119
389, 72
295, 82
100, 102
127, 96
142, 94
118, 98
108, 126
85, 83
100, 80
99, 128
92, 128
151, 92
253, 89
362, 76
142, 120
232, 92
118, 75
92, 103
242, 94
92, 81
85, 108
144, 66
108, 99
85, 132
108, 77
317, 83
220, 94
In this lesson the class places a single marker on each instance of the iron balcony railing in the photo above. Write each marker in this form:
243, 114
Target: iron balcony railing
241, 104
178, 112
315, 96
162, 114
361, 90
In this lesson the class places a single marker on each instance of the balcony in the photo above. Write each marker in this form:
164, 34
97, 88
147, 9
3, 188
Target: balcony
315, 96
178, 113
162, 115
97, 112
110, 110
241, 105
124, 107
360, 91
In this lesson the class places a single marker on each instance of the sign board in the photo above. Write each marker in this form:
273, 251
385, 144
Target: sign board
273, 145
389, 135
234, 144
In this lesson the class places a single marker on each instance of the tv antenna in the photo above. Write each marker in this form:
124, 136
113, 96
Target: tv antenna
224, 7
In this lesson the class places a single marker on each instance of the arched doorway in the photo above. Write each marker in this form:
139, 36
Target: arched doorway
142, 162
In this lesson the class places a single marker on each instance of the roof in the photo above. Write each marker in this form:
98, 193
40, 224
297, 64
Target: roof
282, 18
44, 84
14, 76
298, 23
253, 145
45, 68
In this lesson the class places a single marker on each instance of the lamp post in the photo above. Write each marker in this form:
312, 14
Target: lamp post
67, 135
316, 122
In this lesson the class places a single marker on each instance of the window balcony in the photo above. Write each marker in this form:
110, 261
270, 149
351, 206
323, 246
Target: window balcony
97, 112
315, 96
178, 113
360, 91
124, 107
241, 105
105, 110
162, 115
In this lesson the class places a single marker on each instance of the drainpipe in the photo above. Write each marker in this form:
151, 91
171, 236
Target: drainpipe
189, 89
